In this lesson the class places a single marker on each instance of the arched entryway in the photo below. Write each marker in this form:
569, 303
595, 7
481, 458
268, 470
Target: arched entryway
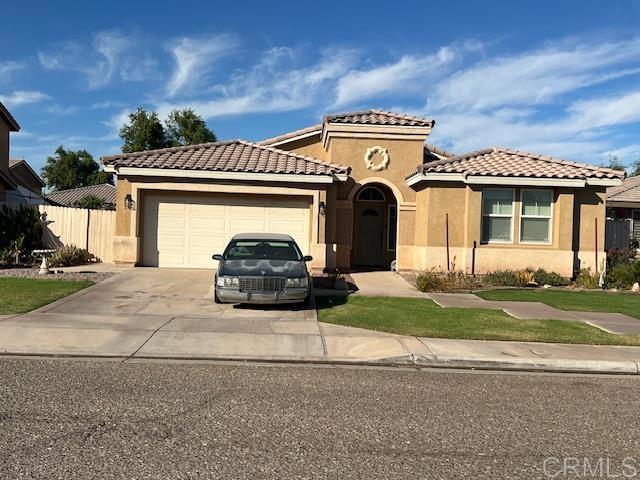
375, 222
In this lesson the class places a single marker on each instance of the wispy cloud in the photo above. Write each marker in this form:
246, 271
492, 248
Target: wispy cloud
406, 76
9, 67
23, 97
195, 58
112, 53
277, 83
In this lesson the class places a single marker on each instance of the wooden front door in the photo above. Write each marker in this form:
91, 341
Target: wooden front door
370, 235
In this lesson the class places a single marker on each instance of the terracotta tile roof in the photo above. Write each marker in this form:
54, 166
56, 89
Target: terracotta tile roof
4, 113
67, 198
286, 136
378, 117
504, 162
433, 152
230, 156
629, 191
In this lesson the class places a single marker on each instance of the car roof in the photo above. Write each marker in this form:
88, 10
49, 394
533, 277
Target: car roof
263, 236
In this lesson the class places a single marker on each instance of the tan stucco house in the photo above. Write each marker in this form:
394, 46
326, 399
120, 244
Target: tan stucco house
362, 190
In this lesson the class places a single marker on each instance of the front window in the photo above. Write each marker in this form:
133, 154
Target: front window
497, 215
262, 250
535, 216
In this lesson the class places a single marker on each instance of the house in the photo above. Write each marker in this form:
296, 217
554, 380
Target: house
8, 124
623, 203
362, 190
29, 184
70, 198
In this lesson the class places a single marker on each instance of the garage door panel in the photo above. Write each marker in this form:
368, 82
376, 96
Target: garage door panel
184, 231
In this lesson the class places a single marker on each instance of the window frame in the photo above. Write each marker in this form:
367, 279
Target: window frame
363, 189
394, 246
523, 216
489, 215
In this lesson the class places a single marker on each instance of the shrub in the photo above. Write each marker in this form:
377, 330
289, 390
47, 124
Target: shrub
446, 282
586, 279
542, 277
502, 278
620, 256
70, 255
623, 275
20, 226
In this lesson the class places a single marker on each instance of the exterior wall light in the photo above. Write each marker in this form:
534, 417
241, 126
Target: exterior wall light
322, 208
129, 202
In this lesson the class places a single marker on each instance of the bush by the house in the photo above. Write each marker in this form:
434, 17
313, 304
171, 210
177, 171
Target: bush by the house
70, 255
446, 282
623, 275
620, 256
542, 277
586, 279
20, 232
502, 278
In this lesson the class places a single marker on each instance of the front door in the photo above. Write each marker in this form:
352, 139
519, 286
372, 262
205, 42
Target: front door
370, 235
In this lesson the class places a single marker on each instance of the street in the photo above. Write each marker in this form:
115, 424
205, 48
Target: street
73, 419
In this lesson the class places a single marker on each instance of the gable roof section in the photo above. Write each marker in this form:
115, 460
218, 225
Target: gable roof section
230, 157
500, 165
16, 162
291, 136
378, 117
6, 115
67, 198
629, 191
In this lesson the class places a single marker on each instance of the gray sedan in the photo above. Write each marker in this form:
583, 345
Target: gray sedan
262, 268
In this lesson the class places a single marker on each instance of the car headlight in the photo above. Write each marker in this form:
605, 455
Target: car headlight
297, 282
227, 281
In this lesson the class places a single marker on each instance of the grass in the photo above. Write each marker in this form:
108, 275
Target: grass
581, 301
423, 318
20, 295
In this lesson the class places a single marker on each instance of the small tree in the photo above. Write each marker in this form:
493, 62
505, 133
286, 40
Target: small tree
614, 163
185, 127
635, 168
72, 169
143, 132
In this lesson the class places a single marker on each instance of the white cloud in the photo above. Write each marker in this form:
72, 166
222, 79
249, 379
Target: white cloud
405, 76
195, 59
7, 68
535, 77
273, 85
23, 97
112, 53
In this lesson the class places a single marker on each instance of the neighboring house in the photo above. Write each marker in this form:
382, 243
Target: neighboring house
70, 198
8, 124
623, 203
29, 184
362, 190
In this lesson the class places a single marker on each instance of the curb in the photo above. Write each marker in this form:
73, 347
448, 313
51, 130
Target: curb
417, 362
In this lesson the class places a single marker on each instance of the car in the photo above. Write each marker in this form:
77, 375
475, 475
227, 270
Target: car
263, 268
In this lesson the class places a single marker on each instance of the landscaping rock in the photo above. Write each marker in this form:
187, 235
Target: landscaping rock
636, 287
57, 274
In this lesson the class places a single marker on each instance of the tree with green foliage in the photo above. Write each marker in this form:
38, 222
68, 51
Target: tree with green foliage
91, 202
185, 127
615, 163
635, 168
72, 169
143, 132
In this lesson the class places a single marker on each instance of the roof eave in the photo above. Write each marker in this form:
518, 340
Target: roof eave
420, 177
13, 124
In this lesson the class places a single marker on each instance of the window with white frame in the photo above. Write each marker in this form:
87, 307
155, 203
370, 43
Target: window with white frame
535, 216
497, 215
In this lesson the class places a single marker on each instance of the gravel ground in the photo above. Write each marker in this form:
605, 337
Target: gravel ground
60, 274
85, 420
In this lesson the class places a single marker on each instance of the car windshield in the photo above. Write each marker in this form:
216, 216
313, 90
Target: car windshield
262, 249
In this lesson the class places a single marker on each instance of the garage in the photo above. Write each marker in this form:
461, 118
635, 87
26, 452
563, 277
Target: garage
183, 231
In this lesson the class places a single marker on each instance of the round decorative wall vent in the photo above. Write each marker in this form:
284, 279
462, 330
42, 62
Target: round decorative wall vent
372, 153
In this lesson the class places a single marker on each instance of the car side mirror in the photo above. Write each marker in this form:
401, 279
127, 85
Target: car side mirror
217, 256
307, 258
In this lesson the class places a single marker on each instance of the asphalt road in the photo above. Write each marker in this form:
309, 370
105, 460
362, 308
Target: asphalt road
72, 419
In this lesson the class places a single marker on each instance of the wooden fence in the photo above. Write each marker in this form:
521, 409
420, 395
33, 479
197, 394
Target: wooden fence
90, 229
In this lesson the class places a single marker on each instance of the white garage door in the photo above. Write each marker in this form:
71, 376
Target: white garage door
184, 231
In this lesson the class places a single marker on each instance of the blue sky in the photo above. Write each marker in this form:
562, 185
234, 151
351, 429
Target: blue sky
559, 78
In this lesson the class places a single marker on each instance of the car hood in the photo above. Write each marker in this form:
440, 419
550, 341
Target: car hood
258, 268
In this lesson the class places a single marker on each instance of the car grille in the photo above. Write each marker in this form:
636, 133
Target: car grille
262, 284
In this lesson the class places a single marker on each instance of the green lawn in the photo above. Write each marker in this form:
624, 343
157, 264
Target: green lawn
581, 301
19, 295
423, 318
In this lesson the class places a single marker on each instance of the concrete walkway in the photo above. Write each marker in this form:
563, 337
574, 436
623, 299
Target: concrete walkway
617, 323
